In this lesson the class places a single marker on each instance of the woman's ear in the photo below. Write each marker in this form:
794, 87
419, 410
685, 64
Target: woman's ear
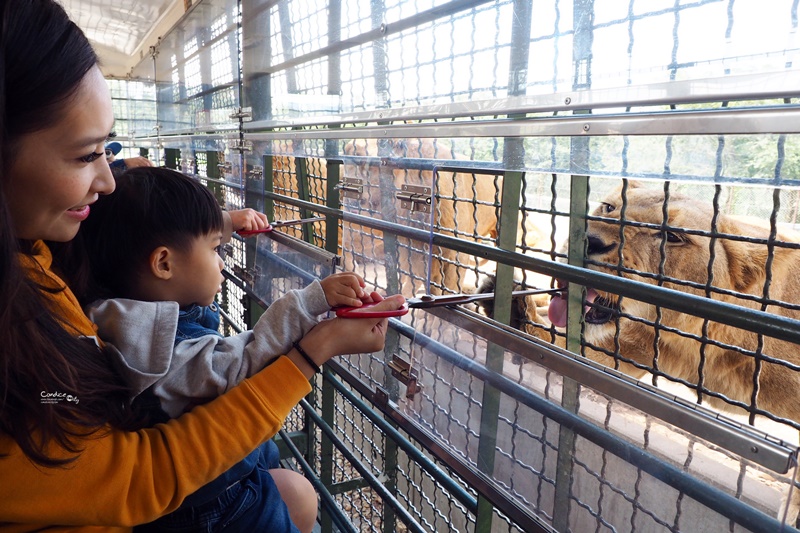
161, 263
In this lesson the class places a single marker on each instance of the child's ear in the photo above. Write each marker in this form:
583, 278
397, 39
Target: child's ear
160, 263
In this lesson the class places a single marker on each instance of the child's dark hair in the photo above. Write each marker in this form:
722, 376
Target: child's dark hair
150, 207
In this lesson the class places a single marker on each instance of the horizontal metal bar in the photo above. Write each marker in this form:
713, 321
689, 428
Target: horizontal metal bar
707, 495
205, 132
707, 424
773, 85
374, 482
316, 253
330, 505
230, 184
783, 119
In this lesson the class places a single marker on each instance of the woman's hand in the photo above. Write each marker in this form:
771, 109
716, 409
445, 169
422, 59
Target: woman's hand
340, 336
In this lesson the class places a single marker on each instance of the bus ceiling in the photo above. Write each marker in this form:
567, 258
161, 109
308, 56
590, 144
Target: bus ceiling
123, 32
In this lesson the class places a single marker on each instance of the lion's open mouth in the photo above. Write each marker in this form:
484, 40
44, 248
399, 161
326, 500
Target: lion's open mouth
596, 310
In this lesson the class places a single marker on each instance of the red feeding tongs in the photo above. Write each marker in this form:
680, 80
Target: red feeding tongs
428, 301
279, 224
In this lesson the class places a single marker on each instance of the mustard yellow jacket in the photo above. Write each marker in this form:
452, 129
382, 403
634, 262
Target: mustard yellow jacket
126, 478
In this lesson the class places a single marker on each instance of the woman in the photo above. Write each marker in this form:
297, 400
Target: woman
70, 453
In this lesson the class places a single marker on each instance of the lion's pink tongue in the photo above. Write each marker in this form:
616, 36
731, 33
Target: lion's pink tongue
557, 311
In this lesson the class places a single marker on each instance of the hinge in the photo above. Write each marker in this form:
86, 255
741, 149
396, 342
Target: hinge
415, 198
351, 187
241, 145
402, 372
245, 114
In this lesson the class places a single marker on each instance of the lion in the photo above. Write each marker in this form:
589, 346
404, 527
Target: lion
738, 275
739, 269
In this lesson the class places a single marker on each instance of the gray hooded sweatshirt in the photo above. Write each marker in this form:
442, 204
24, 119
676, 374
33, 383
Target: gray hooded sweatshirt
194, 371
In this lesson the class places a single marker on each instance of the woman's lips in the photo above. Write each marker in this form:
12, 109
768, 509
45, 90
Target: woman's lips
79, 213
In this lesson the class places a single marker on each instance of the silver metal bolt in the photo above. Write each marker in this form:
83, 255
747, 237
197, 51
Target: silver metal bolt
585, 127
567, 100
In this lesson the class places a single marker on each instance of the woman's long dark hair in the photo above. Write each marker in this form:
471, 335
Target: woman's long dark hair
43, 59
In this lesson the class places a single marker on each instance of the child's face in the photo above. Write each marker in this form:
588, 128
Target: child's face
198, 275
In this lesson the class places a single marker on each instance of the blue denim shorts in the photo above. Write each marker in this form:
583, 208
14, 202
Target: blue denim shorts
253, 504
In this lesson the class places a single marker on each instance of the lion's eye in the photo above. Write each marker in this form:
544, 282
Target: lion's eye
607, 208
671, 236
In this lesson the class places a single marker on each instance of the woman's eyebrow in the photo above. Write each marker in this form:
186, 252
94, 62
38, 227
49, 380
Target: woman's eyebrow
88, 141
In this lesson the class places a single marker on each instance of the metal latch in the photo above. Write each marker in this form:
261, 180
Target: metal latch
402, 372
241, 145
351, 187
245, 114
415, 198
257, 172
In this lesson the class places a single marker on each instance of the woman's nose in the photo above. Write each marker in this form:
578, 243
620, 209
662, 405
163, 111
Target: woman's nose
104, 182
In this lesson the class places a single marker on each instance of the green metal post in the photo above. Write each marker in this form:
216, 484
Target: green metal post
303, 188
506, 240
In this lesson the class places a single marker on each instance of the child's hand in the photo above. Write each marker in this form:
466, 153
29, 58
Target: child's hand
248, 220
345, 288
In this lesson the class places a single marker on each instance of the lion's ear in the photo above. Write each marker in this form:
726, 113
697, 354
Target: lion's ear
747, 262
635, 184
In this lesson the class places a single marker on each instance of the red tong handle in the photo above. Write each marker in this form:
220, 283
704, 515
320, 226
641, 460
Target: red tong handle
247, 233
364, 311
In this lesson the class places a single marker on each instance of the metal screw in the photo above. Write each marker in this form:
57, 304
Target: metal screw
585, 127
567, 100
754, 449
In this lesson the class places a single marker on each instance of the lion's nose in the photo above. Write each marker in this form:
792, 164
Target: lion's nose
595, 245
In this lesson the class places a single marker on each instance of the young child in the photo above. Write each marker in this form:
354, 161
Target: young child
153, 247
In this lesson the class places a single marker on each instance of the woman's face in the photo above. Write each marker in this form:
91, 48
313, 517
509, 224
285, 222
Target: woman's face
59, 171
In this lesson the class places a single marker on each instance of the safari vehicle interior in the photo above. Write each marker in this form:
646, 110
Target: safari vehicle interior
636, 162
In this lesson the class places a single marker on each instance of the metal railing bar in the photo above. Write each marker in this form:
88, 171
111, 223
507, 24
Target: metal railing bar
334, 511
313, 252
373, 481
237, 186
744, 121
775, 85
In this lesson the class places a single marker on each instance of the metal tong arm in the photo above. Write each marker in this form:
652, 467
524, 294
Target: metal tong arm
279, 224
455, 299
